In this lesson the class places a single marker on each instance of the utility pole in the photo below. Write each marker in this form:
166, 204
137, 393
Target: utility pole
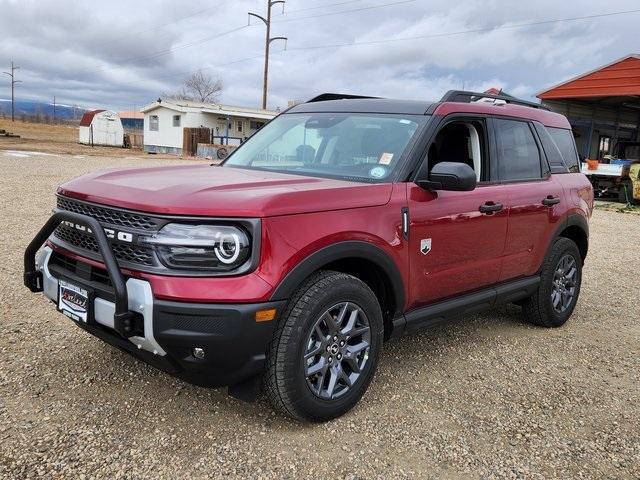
13, 82
267, 43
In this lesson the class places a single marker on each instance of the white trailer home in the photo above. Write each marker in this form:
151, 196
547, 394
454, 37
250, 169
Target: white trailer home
101, 127
166, 119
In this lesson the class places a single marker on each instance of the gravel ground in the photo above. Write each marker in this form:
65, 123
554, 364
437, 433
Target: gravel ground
485, 397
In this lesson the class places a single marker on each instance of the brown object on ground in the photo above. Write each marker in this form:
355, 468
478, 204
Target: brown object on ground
4, 133
485, 397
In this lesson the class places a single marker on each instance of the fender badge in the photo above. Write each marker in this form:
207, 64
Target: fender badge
425, 246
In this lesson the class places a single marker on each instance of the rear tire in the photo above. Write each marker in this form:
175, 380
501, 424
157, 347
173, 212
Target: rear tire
560, 280
325, 349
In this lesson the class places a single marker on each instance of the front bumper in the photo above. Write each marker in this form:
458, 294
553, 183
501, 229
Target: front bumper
234, 343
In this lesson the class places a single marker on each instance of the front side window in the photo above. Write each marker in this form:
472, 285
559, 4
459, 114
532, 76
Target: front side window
153, 123
356, 147
518, 154
463, 142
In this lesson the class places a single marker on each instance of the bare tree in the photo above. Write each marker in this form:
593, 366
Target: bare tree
201, 87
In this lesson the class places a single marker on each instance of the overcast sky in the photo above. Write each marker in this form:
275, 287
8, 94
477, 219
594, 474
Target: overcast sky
123, 54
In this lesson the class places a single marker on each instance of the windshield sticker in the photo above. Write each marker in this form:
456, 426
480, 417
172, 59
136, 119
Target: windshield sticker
378, 172
385, 158
405, 121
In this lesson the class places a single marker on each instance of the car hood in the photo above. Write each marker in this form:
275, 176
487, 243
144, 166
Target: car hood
222, 191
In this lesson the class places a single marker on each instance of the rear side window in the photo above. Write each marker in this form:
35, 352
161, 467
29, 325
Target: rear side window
567, 146
518, 154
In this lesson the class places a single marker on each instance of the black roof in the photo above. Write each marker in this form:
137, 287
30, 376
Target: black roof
363, 105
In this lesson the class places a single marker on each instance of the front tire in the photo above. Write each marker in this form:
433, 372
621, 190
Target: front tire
560, 280
326, 348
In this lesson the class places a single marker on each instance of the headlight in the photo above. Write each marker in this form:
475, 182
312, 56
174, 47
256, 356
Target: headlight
201, 247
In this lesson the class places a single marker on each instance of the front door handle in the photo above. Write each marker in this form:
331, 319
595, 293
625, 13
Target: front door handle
551, 200
489, 207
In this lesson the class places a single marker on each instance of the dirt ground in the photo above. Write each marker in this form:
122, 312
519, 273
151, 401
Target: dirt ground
57, 139
485, 397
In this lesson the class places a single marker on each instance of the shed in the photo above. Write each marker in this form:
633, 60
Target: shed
603, 106
101, 127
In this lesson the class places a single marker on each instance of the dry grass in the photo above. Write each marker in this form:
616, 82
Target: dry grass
58, 139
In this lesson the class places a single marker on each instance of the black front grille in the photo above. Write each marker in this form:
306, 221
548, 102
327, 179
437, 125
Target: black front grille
110, 216
95, 278
83, 270
128, 253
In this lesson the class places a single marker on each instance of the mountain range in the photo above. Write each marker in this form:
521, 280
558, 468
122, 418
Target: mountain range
32, 108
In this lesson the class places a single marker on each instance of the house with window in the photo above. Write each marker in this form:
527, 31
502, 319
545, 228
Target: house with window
165, 121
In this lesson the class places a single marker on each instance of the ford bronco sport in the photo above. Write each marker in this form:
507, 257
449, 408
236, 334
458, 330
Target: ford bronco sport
343, 222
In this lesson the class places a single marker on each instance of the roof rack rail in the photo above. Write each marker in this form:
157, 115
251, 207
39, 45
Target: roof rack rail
462, 96
323, 97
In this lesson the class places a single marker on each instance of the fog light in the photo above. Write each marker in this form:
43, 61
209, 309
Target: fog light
198, 352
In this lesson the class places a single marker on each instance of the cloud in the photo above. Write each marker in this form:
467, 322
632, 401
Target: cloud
122, 54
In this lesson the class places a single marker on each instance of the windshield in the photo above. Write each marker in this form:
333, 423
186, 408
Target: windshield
356, 147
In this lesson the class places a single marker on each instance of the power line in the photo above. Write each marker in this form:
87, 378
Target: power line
371, 7
176, 20
441, 34
168, 51
464, 32
321, 6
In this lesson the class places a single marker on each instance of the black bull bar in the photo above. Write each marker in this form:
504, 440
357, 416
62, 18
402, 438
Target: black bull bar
126, 322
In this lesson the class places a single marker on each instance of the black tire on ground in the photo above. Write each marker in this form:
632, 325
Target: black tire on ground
539, 308
287, 384
625, 193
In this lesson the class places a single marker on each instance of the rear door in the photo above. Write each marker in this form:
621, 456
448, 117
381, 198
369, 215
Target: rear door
535, 197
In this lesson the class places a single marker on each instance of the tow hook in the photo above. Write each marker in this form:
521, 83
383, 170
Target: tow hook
129, 324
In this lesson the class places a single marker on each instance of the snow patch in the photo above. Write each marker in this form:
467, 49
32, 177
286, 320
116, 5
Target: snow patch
16, 153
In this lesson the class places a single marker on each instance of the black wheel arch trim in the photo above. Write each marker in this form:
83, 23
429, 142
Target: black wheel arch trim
342, 251
572, 220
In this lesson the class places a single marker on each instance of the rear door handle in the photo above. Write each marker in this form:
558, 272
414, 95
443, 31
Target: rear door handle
489, 207
551, 200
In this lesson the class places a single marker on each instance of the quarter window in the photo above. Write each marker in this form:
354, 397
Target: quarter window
153, 123
567, 146
518, 154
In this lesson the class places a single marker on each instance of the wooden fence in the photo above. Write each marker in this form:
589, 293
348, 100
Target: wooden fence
192, 136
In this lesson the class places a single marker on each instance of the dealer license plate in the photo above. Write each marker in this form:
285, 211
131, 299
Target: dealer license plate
73, 301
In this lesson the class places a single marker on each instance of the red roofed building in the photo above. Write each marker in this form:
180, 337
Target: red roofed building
603, 106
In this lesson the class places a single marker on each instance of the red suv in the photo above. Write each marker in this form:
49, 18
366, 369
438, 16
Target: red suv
343, 222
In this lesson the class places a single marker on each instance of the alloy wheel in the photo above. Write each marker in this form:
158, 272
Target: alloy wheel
337, 350
565, 278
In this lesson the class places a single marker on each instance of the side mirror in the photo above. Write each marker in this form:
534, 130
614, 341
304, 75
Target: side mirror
454, 176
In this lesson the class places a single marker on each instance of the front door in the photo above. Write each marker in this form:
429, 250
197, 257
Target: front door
456, 239
465, 244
